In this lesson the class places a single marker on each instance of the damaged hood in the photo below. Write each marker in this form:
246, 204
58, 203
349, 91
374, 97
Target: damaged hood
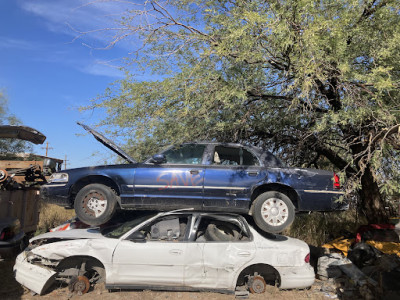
109, 144
74, 234
24, 133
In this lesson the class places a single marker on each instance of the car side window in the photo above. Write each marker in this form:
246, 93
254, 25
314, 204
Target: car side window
234, 156
168, 229
185, 154
213, 230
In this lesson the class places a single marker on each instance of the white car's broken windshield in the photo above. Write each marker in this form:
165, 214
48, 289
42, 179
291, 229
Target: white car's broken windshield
117, 231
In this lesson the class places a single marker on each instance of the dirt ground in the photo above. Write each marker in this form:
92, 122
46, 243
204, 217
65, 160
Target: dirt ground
10, 289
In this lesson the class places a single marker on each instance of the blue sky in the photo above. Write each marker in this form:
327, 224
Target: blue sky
47, 71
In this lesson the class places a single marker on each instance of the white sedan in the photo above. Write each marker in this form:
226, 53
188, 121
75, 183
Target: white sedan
179, 250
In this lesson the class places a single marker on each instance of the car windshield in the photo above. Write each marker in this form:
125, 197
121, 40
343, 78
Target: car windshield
119, 230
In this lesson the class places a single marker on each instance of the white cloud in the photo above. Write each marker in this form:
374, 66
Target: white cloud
73, 17
10, 43
70, 18
101, 68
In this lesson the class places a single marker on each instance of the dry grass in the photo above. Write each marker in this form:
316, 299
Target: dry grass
52, 215
318, 228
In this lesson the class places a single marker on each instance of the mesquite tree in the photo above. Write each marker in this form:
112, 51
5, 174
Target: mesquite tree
317, 82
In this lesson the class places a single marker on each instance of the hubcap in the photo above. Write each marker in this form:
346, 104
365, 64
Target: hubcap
94, 204
274, 211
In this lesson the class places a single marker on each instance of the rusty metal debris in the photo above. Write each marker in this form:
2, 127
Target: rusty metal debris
371, 269
24, 170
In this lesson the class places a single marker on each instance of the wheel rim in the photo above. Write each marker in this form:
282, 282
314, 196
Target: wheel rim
274, 211
94, 204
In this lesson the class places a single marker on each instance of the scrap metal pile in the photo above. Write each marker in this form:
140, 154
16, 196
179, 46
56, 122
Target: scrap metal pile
367, 265
21, 170
17, 178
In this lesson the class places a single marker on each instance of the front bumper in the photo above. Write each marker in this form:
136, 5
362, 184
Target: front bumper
37, 279
56, 194
296, 277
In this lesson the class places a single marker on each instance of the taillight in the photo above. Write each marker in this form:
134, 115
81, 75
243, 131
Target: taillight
307, 258
336, 181
7, 234
62, 227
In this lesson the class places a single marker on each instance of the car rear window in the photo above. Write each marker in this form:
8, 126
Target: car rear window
234, 156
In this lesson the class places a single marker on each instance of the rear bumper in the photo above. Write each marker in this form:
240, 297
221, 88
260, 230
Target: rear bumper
322, 200
35, 278
296, 277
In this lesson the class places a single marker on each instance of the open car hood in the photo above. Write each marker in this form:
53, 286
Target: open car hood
106, 142
23, 133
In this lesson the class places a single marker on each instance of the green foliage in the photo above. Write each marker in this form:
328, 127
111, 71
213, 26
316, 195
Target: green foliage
315, 81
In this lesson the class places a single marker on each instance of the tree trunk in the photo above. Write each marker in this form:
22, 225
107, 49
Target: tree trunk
371, 204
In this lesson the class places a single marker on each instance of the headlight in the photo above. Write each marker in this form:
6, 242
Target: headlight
58, 177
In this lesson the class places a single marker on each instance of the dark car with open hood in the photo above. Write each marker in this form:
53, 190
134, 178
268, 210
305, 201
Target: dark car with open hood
206, 176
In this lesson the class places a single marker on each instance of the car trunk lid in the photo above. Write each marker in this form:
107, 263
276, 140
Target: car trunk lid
23, 133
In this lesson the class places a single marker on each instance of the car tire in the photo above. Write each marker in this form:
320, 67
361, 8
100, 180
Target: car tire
225, 233
273, 211
95, 204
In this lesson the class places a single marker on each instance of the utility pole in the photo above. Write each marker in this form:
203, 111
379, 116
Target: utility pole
47, 148
65, 162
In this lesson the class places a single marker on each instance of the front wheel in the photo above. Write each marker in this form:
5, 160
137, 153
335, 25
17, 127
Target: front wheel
95, 204
273, 211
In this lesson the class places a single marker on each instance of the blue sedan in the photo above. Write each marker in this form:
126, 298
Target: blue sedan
204, 176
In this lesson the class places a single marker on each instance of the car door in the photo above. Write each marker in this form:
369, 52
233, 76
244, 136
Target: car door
176, 183
214, 262
229, 179
157, 259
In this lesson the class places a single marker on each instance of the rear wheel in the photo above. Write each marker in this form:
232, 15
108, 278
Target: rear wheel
257, 284
273, 211
95, 204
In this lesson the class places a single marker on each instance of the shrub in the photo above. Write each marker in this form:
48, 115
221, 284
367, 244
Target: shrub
317, 228
52, 215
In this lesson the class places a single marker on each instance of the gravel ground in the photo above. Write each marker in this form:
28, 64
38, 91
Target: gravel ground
10, 289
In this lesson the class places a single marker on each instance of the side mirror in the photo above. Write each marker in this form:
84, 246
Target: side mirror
137, 237
159, 159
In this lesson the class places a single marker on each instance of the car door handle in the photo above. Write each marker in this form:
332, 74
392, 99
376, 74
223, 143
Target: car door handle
244, 254
175, 252
194, 172
229, 268
252, 173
